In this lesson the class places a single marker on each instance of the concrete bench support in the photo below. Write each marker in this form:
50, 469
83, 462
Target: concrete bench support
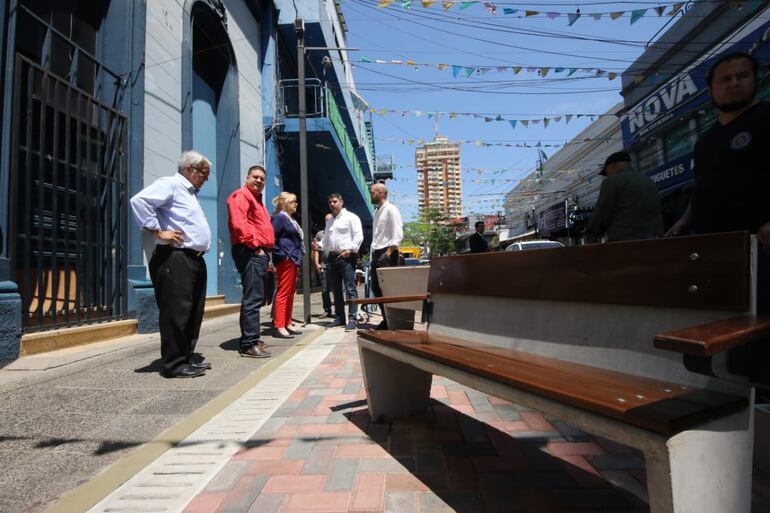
393, 389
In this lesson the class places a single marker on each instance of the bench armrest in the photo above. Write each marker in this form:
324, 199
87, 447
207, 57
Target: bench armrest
711, 338
388, 299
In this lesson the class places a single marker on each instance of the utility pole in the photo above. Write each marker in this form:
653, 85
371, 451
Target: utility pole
299, 26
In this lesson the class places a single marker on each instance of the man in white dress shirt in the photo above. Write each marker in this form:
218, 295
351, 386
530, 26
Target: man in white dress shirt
169, 209
387, 234
342, 238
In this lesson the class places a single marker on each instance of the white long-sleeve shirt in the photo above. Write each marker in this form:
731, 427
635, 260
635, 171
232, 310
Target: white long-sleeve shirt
387, 229
343, 233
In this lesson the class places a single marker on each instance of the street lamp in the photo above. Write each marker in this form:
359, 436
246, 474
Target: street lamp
299, 27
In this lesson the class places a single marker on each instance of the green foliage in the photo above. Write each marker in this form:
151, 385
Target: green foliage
432, 232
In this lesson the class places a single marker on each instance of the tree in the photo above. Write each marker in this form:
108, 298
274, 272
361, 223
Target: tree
432, 232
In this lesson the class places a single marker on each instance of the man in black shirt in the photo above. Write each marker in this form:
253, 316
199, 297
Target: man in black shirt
732, 175
478, 243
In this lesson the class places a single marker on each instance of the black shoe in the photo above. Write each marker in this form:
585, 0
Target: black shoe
200, 365
183, 371
326, 315
336, 323
382, 325
278, 334
255, 352
351, 325
293, 332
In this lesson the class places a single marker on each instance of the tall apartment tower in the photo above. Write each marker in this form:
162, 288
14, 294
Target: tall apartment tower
439, 177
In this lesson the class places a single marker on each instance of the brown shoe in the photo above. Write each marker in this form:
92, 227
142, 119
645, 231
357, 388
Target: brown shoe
255, 352
263, 347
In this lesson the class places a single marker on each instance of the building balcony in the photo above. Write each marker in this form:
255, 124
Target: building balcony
334, 165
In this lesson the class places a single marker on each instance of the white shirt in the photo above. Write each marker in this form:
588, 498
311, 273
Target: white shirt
387, 229
343, 233
171, 203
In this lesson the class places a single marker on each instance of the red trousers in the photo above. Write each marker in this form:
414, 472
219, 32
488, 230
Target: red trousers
286, 285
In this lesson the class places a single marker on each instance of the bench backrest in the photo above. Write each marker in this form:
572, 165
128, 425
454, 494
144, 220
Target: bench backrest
599, 305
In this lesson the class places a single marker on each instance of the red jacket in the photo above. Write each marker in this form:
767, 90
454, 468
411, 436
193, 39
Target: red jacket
249, 221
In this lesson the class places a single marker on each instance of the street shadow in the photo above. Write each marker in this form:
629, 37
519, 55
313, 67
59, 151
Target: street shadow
234, 344
155, 366
474, 467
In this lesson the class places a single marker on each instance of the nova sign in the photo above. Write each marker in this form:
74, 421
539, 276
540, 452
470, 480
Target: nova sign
658, 108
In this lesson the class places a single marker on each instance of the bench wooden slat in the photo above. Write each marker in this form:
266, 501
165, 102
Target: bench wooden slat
703, 272
714, 337
655, 405
388, 299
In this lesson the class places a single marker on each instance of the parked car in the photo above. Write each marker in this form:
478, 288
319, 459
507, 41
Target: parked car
411, 261
534, 244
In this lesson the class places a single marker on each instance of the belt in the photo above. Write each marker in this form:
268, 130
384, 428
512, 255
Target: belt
189, 252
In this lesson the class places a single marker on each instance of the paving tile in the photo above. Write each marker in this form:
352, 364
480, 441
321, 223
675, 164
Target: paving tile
275, 467
574, 448
457, 398
298, 395
205, 503
319, 460
429, 463
400, 502
472, 430
382, 465
404, 482
300, 448
571, 434
626, 461
267, 503
243, 494
228, 476
342, 475
369, 494
329, 502
260, 453
538, 479
432, 503
536, 421
295, 484
361, 451
378, 431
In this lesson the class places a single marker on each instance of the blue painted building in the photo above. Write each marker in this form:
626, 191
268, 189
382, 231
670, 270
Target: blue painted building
99, 99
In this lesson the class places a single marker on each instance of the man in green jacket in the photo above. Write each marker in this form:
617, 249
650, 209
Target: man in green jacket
628, 207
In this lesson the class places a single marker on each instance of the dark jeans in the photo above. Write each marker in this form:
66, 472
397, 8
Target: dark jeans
341, 273
380, 258
253, 269
326, 296
179, 279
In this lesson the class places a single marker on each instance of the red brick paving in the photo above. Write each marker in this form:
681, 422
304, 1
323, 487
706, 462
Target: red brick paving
423, 462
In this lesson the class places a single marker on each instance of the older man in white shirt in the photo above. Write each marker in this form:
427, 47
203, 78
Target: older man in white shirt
342, 238
387, 234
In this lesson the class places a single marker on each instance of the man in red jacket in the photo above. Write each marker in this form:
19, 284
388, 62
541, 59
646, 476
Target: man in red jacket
251, 235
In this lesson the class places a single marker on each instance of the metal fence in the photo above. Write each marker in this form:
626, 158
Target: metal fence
68, 202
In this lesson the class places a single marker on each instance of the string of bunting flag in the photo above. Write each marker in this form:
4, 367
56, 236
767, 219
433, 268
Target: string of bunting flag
671, 9
489, 118
485, 144
464, 71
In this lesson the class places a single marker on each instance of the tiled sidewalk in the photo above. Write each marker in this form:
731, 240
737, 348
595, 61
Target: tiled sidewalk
469, 453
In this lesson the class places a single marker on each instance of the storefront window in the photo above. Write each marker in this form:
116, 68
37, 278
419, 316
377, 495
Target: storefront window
649, 156
678, 142
707, 118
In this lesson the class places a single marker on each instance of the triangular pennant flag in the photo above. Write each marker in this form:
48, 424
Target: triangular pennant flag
516, 70
483, 70
364, 59
465, 5
508, 10
596, 15
441, 67
406, 4
539, 144
544, 72
395, 61
447, 5
612, 75
535, 121
430, 115
660, 10
417, 113
545, 122
675, 8
557, 118
616, 15
455, 70
531, 13
491, 8
469, 71
384, 3
488, 120
525, 122
452, 115
380, 61
501, 68
637, 14
571, 72
558, 70
572, 18
552, 15
499, 118
411, 63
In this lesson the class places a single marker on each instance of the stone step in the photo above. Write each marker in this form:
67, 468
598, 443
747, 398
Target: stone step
213, 311
44, 341
215, 300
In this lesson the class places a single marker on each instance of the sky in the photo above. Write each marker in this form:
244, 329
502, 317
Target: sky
472, 38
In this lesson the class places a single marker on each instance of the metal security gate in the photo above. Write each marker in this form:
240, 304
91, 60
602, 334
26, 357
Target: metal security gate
68, 202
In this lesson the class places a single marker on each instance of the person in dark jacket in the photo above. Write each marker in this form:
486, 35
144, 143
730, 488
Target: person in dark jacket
287, 258
628, 207
478, 243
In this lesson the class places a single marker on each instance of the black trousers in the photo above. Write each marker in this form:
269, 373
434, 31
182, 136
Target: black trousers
380, 258
179, 279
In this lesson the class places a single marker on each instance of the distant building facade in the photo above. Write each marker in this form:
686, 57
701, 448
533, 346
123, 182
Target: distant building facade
439, 177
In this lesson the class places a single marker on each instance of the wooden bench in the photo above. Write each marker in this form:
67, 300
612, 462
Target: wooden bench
595, 336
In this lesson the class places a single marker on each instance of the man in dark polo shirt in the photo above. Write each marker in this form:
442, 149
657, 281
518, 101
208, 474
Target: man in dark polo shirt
732, 175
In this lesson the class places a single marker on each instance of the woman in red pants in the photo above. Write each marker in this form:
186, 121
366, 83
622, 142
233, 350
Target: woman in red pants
287, 258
